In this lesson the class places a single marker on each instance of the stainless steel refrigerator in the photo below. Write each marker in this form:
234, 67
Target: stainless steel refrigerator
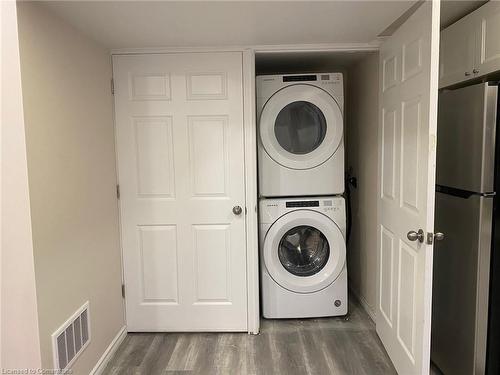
465, 314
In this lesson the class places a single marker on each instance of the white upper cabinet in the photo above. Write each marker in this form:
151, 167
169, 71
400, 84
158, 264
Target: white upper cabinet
470, 48
488, 49
456, 59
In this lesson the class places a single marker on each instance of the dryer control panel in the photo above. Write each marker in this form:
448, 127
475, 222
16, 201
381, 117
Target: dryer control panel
333, 78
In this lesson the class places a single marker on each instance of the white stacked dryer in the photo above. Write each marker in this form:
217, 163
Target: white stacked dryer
301, 134
301, 182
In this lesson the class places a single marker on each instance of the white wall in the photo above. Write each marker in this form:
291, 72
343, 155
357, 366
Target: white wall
362, 157
68, 110
19, 343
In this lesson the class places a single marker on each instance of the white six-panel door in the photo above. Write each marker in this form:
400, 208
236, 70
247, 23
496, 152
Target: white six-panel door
179, 126
408, 116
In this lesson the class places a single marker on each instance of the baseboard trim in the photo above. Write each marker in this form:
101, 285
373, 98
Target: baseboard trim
109, 352
363, 303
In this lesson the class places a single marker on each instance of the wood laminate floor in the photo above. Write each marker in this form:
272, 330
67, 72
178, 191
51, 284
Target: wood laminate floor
292, 347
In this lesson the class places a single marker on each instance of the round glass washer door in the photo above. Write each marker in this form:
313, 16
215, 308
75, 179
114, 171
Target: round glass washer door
304, 251
301, 126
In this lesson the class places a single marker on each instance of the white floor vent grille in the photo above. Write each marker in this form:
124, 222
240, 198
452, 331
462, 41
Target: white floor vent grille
69, 341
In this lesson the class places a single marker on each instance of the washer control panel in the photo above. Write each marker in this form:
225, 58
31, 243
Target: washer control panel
327, 204
333, 205
323, 204
271, 209
292, 204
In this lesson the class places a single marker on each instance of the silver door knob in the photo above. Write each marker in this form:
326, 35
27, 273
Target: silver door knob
237, 210
467, 74
414, 236
438, 236
475, 71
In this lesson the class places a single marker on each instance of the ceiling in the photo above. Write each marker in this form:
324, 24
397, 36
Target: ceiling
137, 24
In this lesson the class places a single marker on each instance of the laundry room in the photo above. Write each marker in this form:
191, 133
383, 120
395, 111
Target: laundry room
248, 187
350, 165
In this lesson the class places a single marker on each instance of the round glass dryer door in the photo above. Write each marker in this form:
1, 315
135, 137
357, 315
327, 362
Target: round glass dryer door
304, 251
301, 126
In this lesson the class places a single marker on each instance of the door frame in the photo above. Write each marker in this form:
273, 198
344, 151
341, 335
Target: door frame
251, 202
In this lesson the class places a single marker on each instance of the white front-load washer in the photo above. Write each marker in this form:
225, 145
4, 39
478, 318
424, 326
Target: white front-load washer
303, 257
301, 127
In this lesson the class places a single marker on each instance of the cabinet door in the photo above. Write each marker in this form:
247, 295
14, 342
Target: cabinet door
488, 49
457, 53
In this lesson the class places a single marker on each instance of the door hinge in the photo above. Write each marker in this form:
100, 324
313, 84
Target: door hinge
112, 86
123, 290
118, 191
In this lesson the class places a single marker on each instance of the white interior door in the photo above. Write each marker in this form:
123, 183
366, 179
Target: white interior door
179, 126
408, 119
